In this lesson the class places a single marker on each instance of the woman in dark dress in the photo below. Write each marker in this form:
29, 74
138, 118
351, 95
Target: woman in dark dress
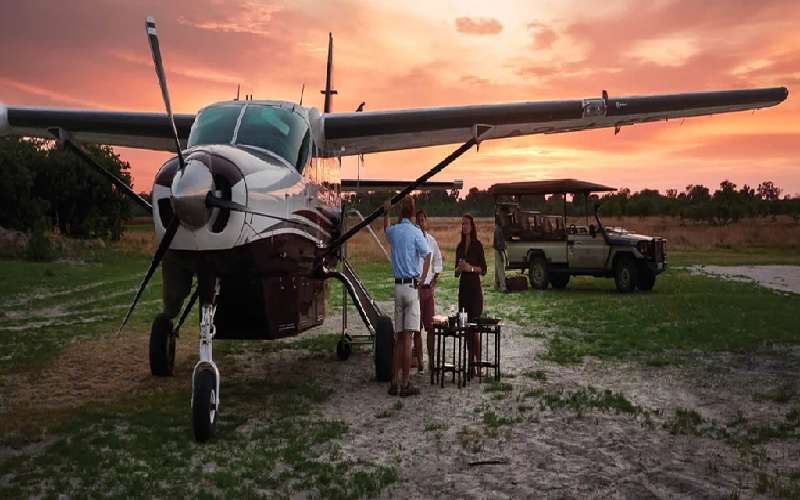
470, 266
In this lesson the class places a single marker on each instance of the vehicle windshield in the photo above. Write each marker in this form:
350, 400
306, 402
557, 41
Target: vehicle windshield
265, 127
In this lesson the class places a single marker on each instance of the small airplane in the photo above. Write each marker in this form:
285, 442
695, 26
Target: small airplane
251, 202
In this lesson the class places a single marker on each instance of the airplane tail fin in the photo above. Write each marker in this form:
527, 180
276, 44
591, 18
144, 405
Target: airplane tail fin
329, 92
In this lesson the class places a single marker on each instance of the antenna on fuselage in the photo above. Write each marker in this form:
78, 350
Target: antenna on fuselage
302, 90
329, 92
238, 88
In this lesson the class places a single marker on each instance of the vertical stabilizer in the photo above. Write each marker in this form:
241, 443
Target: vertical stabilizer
329, 92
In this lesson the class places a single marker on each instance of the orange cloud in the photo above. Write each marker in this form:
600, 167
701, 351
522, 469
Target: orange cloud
478, 26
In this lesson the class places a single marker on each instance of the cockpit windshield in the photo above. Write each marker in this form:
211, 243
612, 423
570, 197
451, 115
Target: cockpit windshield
257, 125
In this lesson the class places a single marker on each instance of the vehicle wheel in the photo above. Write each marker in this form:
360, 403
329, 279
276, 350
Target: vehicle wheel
538, 273
204, 405
559, 280
645, 279
625, 274
162, 348
384, 347
343, 349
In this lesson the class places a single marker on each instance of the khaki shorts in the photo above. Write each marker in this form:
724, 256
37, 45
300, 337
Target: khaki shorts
406, 308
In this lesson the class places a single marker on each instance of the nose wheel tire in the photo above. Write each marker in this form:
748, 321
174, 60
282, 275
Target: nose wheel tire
537, 273
384, 347
343, 348
162, 348
204, 405
625, 275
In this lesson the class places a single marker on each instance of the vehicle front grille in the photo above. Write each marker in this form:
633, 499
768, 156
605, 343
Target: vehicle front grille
660, 251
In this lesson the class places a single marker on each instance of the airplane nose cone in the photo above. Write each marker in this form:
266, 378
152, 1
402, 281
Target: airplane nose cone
189, 191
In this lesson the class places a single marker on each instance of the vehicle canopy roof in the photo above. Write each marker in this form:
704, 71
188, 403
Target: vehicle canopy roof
553, 186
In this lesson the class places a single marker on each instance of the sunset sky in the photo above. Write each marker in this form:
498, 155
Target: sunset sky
94, 54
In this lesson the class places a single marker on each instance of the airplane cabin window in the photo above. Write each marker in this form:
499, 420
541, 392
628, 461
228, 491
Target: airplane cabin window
215, 125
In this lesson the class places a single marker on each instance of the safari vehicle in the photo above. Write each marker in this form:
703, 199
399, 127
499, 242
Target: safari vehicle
551, 248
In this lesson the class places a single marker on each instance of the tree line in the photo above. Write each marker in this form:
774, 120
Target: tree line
43, 186
696, 202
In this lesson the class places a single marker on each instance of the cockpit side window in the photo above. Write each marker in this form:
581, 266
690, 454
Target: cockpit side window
302, 155
215, 125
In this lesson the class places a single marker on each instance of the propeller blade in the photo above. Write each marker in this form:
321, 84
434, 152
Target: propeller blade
150, 24
213, 201
169, 234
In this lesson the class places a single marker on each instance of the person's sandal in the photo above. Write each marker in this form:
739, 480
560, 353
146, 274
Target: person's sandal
393, 390
408, 390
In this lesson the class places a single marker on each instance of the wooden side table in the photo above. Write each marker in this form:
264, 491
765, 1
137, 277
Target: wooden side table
489, 336
445, 335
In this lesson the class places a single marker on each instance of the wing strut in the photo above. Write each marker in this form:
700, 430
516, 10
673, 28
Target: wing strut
65, 139
479, 130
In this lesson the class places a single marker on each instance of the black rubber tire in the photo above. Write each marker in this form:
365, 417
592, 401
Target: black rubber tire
537, 273
559, 280
343, 349
645, 279
162, 348
384, 349
204, 425
625, 273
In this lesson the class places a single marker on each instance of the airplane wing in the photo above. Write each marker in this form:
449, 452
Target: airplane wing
115, 128
353, 185
374, 131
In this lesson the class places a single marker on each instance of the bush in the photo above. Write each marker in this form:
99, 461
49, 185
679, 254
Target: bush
39, 248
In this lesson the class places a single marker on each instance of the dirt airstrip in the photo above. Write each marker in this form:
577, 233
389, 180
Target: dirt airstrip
536, 447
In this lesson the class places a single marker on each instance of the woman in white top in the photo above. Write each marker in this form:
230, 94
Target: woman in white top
426, 294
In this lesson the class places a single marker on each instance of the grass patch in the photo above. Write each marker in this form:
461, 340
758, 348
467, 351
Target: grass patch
780, 394
391, 411
270, 441
471, 439
537, 375
584, 400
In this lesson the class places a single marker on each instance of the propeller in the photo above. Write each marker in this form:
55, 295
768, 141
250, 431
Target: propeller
172, 227
152, 37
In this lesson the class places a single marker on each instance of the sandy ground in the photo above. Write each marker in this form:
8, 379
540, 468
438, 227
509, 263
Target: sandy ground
782, 278
432, 438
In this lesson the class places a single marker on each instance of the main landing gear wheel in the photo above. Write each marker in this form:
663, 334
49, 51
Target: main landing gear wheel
204, 405
538, 273
384, 346
162, 348
344, 347
625, 274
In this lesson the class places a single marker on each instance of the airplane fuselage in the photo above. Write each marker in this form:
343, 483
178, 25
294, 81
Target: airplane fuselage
261, 155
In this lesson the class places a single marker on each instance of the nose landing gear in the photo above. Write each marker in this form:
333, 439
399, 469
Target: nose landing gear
205, 378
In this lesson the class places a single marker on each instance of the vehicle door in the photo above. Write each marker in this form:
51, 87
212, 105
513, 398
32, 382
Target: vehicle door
585, 249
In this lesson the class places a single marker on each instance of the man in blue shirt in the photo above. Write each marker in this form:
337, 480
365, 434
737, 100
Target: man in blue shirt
408, 246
